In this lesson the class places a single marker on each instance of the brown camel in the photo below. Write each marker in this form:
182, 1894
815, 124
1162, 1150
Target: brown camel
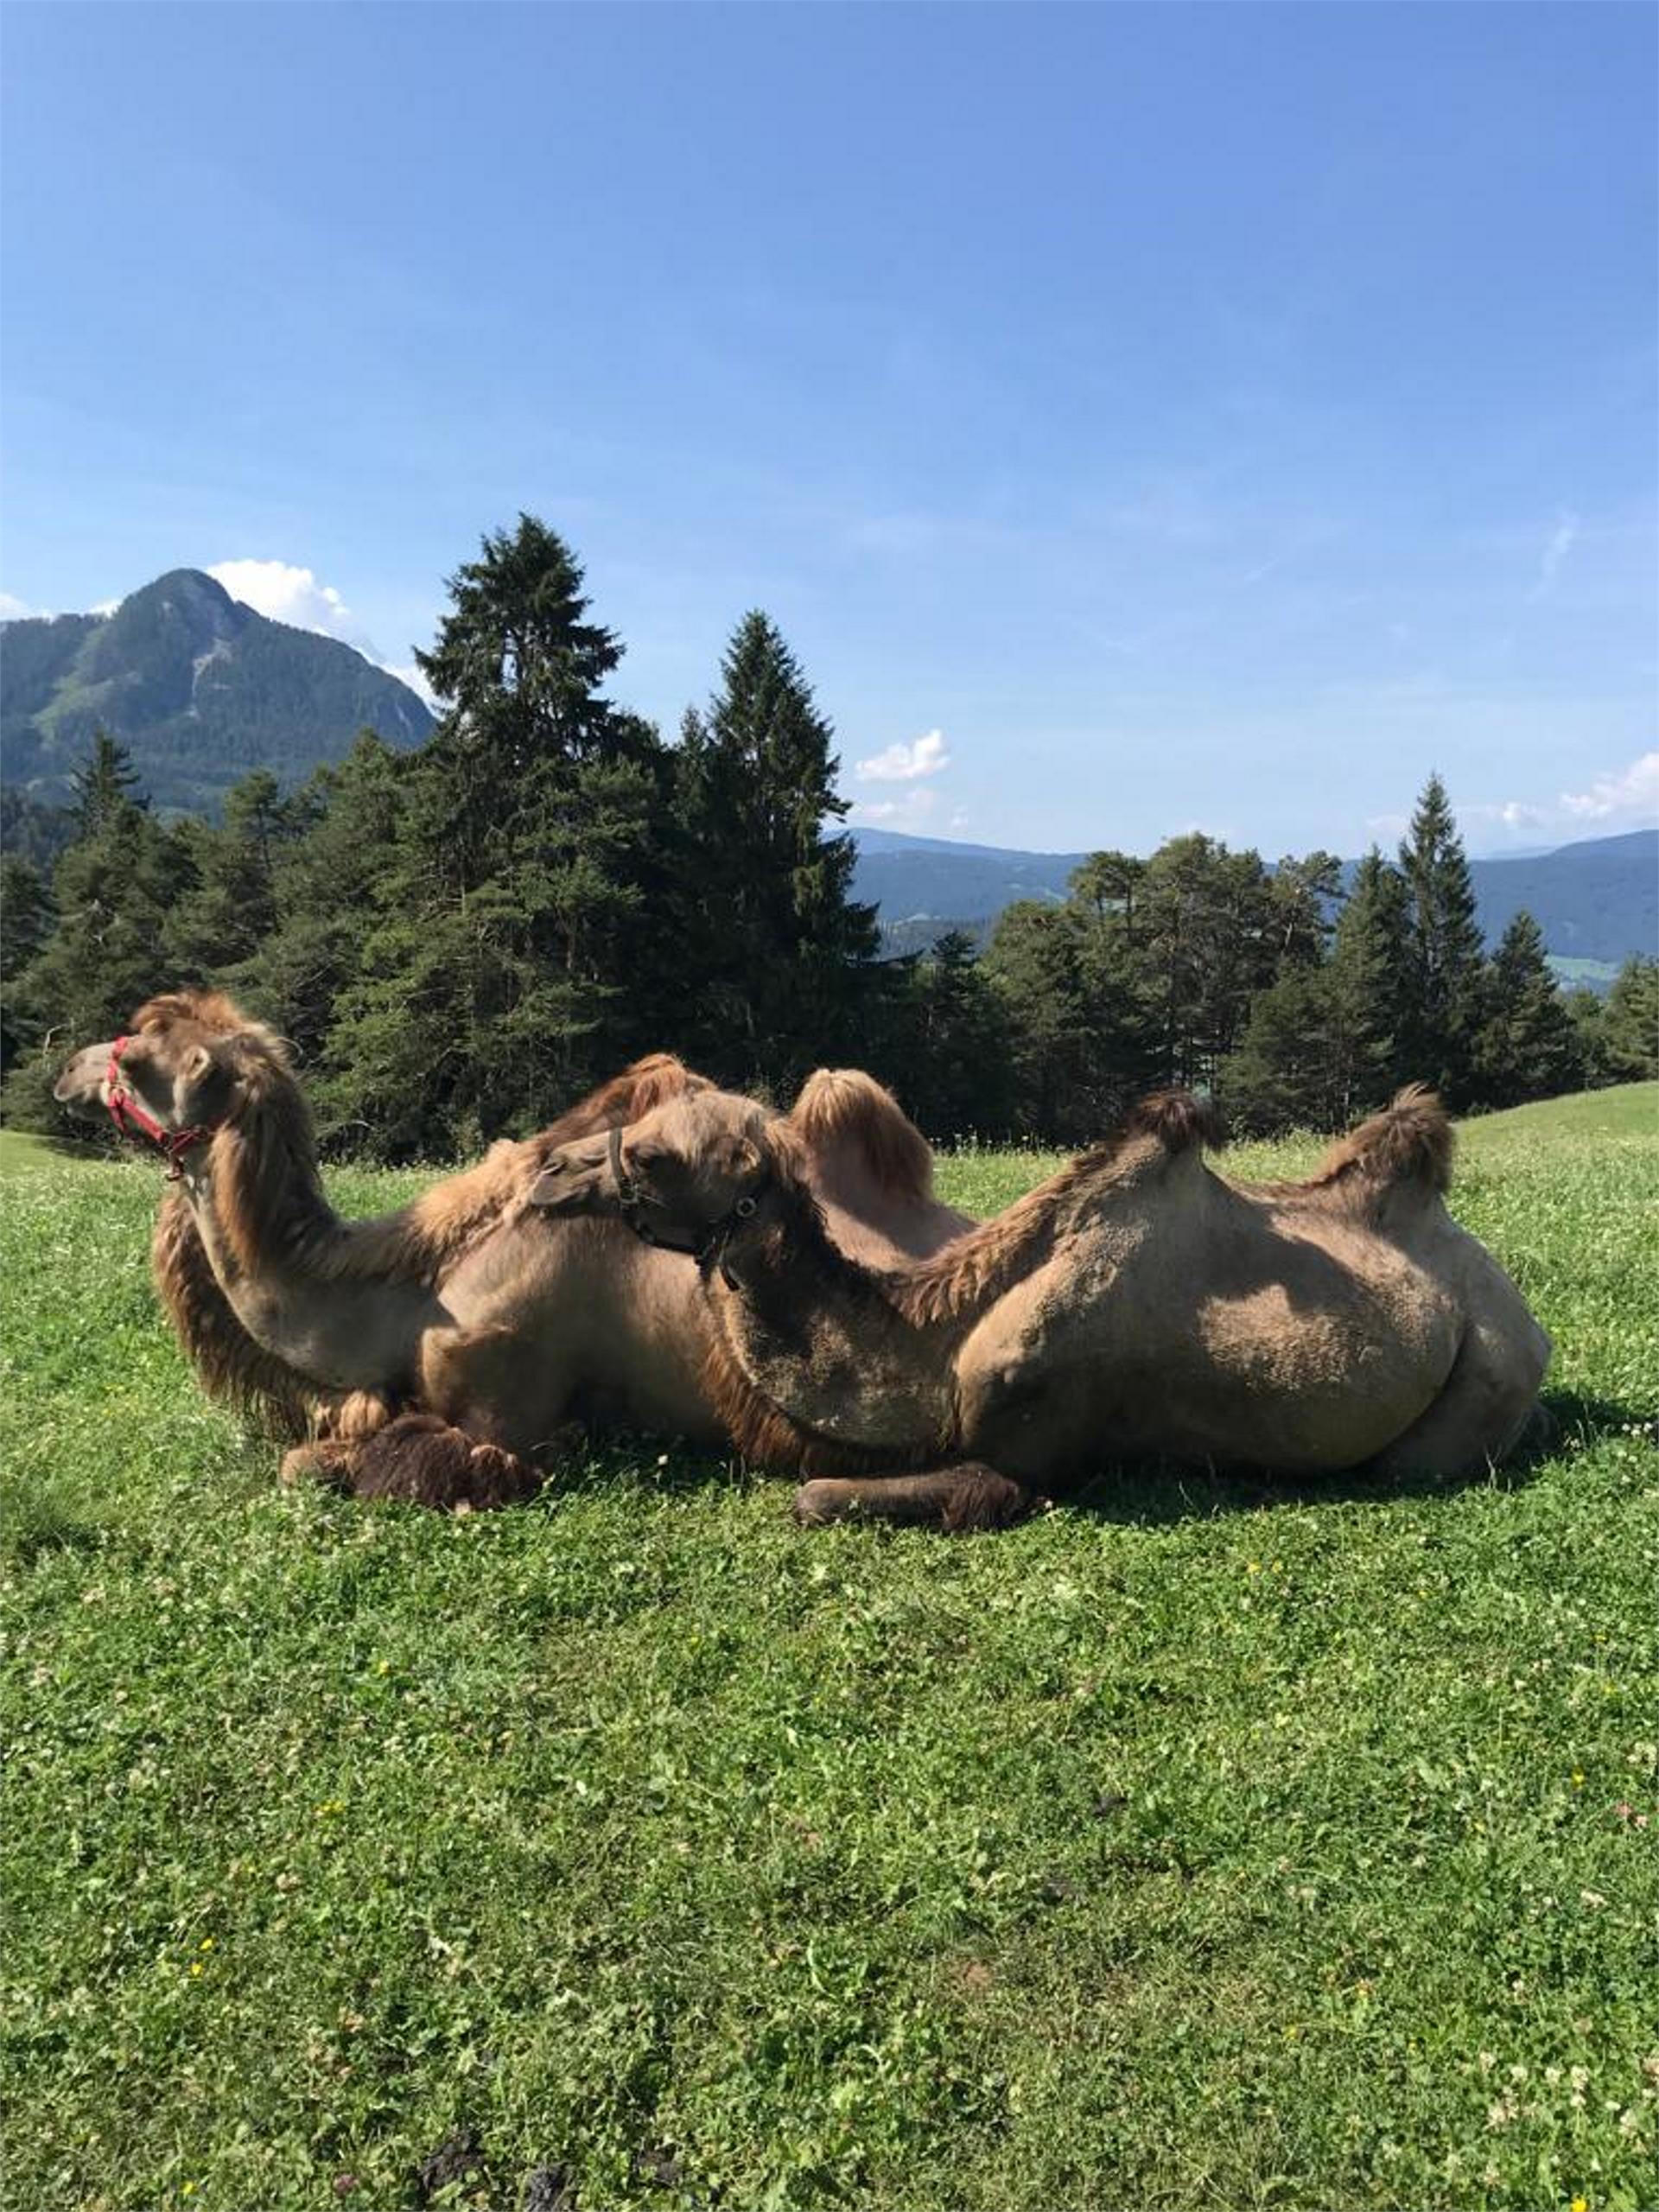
443, 1353
1135, 1306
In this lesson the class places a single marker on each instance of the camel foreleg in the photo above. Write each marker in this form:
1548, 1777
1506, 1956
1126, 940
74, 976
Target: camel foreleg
955, 1499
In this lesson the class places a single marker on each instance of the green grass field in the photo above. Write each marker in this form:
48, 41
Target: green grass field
1204, 1846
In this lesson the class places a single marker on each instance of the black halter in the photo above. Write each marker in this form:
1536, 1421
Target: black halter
700, 1248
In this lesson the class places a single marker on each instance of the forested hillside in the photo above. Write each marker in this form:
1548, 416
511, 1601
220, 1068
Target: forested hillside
198, 690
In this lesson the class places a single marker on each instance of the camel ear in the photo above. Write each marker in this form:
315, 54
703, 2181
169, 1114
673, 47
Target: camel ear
749, 1161
197, 1061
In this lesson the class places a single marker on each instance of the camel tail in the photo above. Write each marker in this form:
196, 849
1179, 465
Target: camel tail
1180, 1121
1409, 1142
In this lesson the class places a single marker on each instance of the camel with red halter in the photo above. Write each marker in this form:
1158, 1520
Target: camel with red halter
446, 1352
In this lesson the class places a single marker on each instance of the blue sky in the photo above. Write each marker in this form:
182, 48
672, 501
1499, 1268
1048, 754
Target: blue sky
1136, 417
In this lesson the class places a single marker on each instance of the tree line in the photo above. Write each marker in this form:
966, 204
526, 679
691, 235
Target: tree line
459, 939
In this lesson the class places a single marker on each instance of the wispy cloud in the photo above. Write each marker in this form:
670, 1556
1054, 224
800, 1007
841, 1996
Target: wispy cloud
1557, 546
902, 764
1627, 798
1632, 792
913, 811
13, 609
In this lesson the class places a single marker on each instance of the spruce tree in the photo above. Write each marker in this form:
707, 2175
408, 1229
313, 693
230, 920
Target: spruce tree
231, 910
779, 948
1631, 1022
515, 955
1528, 1047
1368, 1004
1443, 952
26, 920
954, 1072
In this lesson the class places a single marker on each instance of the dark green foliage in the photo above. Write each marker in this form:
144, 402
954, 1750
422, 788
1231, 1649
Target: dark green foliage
953, 1063
112, 892
1210, 945
513, 953
1624, 1029
27, 917
778, 946
1528, 1047
35, 833
1443, 951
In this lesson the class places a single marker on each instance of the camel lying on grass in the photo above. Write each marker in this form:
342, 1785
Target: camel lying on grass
442, 1353
1135, 1306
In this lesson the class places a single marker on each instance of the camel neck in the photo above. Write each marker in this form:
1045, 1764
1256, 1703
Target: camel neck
301, 1280
818, 1336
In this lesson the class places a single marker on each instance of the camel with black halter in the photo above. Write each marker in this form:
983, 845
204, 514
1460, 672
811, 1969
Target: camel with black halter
1135, 1305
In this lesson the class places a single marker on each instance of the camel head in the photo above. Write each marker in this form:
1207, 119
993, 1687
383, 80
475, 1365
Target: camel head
679, 1173
186, 1066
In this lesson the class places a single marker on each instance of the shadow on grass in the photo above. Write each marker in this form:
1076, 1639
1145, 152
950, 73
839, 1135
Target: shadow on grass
1150, 1494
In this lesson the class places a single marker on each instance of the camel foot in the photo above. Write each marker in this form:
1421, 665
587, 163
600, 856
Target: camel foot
953, 1499
421, 1459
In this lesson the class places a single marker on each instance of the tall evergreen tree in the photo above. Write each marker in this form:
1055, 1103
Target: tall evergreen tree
779, 947
1209, 945
1369, 1002
515, 951
26, 920
1528, 1047
1444, 952
1631, 1022
231, 910
954, 1070
112, 891
102, 785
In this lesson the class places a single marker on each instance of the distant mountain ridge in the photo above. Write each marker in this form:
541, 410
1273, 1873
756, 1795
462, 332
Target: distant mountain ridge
199, 689
1597, 900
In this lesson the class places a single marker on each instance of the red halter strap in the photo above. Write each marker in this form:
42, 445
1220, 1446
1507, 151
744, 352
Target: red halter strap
133, 1121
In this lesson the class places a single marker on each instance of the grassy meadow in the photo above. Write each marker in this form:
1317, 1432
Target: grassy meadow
1202, 1845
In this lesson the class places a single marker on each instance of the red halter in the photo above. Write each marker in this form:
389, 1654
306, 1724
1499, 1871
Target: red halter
131, 1119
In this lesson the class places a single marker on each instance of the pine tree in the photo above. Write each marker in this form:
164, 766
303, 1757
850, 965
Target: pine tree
954, 1072
1444, 952
1631, 1022
111, 893
780, 948
328, 893
26, 920
1528, 1047
1208, 942
1286, 1071
231, 910
103, 785
1368, 1010
516, 953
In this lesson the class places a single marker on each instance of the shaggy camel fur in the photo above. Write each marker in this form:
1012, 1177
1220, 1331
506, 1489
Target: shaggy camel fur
1135, 1306
444, 1352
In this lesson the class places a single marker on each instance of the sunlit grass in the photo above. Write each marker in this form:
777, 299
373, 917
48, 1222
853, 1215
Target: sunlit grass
1175, 1851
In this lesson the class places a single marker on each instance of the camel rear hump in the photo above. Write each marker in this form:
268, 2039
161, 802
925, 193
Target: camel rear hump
1406, 1147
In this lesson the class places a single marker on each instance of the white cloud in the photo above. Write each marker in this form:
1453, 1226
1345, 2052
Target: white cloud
1631, 791
1559, 544
13, 609
913, 811
292, 595
286, 595
903, 764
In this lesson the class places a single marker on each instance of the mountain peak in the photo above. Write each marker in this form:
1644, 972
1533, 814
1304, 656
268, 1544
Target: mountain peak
199, 689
